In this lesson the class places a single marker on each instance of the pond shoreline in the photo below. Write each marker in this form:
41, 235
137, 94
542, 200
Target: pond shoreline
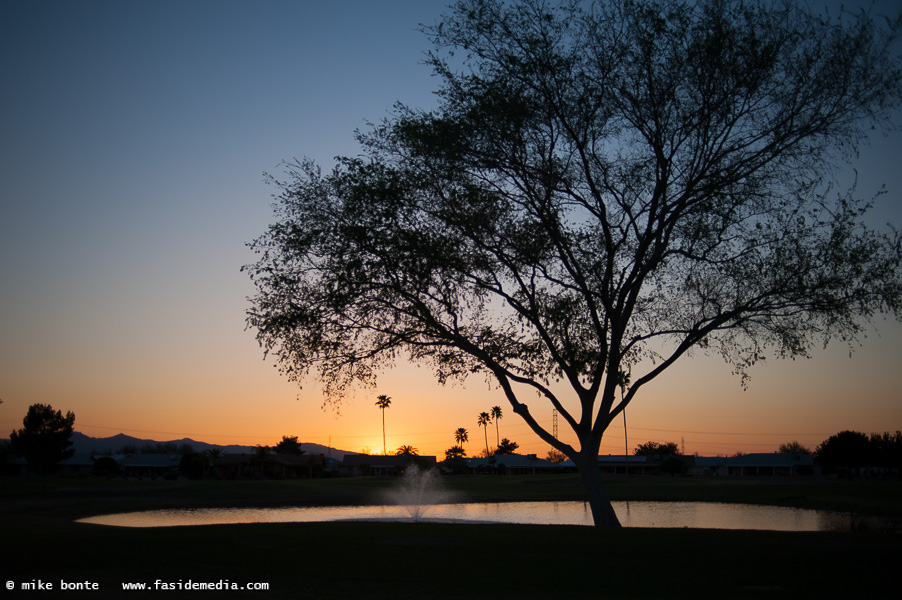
653, 514
77, 498
333, 560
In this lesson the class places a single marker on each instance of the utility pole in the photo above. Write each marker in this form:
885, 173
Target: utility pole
626, 446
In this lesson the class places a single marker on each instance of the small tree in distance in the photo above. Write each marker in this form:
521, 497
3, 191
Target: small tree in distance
793, 447
288, 445
555, 456
407, 450
656, 449
604, 188
507, 447
455, 452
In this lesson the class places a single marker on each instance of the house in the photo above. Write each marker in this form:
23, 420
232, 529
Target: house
516, 464
79, 464
381, 464
624, 464
708, 466
278, 466
785, 464
149, 466
776, 464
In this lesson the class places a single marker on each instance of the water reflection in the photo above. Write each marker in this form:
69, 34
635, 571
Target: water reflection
633, 514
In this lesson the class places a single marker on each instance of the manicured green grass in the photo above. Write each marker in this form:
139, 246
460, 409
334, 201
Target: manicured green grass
426, 560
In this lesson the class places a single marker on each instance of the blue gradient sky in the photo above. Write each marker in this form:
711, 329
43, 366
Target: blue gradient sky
133, 141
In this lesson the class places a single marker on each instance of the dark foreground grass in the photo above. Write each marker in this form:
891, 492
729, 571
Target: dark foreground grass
420, 560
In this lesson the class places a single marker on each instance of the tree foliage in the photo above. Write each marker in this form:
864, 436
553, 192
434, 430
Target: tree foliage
288, 445
850, 451
461, 435
44, 438
656, 449
603, 188
455, 452
406, 450
506, 447
793, 447
555, 456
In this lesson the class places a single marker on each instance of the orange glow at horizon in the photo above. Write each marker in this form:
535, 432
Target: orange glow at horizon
697, 404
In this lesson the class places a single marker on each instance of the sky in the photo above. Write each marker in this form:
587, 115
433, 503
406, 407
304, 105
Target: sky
134, 138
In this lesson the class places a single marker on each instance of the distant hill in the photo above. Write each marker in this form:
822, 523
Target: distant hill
86, 445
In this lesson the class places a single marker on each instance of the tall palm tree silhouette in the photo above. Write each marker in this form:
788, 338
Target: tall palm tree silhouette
496, 414
383, 402
461, 436
483, 421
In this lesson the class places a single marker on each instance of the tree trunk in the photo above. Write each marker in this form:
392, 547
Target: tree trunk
602, 512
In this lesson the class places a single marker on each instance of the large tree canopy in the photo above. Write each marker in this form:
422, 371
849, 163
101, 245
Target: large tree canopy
602, 189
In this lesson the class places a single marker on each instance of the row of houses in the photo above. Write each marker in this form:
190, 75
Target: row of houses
764, 465
282, 466
226, 466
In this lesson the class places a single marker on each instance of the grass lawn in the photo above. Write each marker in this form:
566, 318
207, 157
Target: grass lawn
426, 560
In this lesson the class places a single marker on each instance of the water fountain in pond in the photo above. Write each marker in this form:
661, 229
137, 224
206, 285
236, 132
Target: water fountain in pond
417, 490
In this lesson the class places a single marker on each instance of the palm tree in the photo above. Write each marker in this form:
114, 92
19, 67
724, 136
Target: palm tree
407, 450
496, 414
461, 436
483, 421
383, 402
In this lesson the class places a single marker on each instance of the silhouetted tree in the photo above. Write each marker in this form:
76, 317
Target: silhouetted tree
496, 416
461, 435
484, 420
383, 402
793, 447
506, 447
555, 456
407, 450
603, 188
288, 445
44, 438
656, 449
455, 459
846, 451
887, 449
455, 452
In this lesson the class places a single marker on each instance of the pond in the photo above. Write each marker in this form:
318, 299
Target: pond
632, 514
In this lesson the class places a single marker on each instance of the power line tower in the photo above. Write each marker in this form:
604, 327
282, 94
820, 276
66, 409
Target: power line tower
554, 422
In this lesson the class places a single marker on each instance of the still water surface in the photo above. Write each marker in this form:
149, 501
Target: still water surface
632, 514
